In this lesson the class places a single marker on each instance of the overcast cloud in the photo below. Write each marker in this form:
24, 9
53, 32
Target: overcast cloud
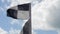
45, 15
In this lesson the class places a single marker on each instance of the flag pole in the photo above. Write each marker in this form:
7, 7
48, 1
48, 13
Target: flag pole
27, 27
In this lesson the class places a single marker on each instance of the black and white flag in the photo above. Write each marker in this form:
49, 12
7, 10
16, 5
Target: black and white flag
23, 12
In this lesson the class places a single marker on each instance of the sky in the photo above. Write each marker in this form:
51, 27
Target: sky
45, 17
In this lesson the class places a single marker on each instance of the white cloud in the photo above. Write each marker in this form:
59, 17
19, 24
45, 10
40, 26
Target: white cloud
14, 31
3, 31
58, 31
14, 21
39, 14
18, 22
33, 32
46, 15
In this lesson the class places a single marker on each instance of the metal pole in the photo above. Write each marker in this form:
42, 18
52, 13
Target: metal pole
27, 27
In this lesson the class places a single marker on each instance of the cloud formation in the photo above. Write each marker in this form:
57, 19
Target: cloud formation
11, 31
46, 15
3, 31
39, 14
14, 31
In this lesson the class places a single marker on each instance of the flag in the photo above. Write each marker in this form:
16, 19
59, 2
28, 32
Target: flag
23, 12
26, 28
19, 11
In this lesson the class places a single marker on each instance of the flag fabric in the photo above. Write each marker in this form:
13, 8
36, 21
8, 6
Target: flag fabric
22, 12
19, 11
26, 28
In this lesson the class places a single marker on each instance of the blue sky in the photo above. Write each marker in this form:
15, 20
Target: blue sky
5, 22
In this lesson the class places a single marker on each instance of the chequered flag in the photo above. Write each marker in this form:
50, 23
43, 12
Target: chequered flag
22, 11
19, 11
